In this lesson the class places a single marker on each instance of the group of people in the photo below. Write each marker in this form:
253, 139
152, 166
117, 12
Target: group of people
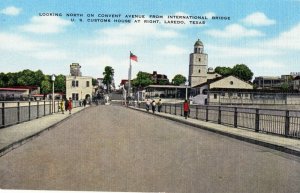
152, 104
65, 105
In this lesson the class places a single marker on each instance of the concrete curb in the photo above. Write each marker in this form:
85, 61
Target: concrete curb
24, 140
238, 137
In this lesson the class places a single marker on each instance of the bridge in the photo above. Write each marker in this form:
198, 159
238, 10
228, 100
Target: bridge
116, 148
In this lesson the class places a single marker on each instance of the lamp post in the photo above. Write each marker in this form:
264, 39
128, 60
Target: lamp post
53, 80
186, 89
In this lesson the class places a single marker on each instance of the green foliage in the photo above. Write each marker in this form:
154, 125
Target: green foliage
142, 79
60, 83
108, 76
242, 71
163, 82
285, 87
46, 87
178, 79
239, 70
224, 71
33, 78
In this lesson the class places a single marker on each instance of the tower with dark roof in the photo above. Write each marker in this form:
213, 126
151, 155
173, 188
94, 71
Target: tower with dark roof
198, 65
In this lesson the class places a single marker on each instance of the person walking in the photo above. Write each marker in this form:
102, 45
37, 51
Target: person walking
159, 105
147, 104
153, 104
70, 105
62, 106
66, 104
186, 108
84, 102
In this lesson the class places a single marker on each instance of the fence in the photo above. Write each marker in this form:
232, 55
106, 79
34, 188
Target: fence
280, 122
12, 113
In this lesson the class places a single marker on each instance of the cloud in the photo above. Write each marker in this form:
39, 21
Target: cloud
173, 50
286, 40
241, 52
11, 11
131, 34
234, 31
12, 42
258, 19
16, 44
268, 64
46, 25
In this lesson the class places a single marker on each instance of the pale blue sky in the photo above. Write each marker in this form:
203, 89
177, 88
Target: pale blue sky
262, 34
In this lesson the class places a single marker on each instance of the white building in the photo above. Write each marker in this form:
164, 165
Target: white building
78, 87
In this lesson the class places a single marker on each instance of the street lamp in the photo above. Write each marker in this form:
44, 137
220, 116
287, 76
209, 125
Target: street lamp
53, 80
186, 89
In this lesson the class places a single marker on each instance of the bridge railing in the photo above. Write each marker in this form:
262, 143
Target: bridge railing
279, 122
15, 112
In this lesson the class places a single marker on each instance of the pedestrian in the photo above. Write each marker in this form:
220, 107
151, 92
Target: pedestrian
186, 108
66, 105
84, 102
70, 105
159, 105
62, 106
147, 105
153, 104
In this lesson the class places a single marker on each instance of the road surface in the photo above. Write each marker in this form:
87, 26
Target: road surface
112, 148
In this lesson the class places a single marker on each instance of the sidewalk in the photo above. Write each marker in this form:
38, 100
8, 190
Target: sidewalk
280, 143
16, 135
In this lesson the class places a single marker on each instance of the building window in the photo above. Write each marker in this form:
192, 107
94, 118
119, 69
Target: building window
199, 71
231, 82
87, 83
75, 83
199, 59
215, 96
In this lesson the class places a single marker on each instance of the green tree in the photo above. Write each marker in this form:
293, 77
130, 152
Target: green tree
224, 71
60, 83
178, 79
46, 86
242, 71
163, 82
11, 79
142, 79
38, 77
108, 76
285, 87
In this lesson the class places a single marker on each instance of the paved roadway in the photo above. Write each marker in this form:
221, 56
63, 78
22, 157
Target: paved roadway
112, 148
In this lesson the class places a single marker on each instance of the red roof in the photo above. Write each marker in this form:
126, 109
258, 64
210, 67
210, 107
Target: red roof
25, 87
14, 89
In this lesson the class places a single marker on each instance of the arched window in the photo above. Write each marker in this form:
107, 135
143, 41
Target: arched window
199, 71
204, 91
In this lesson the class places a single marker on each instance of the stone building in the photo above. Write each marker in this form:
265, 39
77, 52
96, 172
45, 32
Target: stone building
78, 87
198, 66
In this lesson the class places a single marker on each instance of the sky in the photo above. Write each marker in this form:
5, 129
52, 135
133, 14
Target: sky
34, 34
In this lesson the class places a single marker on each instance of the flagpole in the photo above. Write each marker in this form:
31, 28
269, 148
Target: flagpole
129, 75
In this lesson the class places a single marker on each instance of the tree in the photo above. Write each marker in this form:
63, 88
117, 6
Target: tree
142, 79
46, 86
224, 71
108, 76
178, 79
242, 71
60, 83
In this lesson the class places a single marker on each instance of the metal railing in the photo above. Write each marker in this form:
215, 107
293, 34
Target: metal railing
16, 112
279, 122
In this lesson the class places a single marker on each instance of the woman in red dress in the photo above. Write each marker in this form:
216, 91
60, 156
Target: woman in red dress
70, 105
